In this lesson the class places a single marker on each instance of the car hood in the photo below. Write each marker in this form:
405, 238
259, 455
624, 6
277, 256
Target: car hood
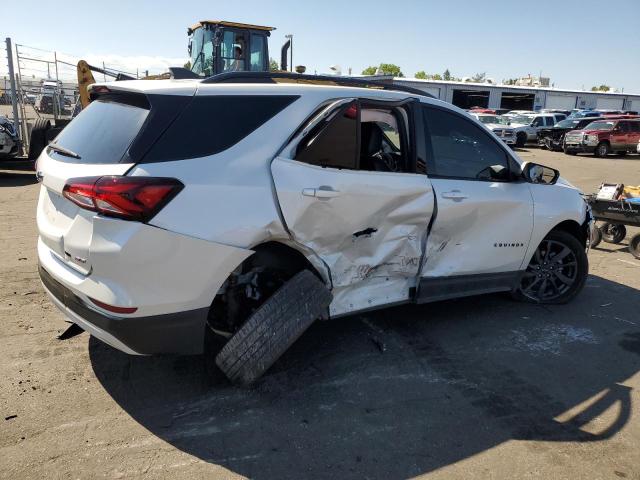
494, 126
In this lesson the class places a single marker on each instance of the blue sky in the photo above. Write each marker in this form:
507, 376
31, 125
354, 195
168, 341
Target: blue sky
576, 43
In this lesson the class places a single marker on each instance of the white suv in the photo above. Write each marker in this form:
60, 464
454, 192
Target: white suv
180, 216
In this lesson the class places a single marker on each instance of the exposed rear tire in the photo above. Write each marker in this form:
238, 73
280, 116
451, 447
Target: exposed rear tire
556, 272
634, 245
613, 232
38, 138
273, 328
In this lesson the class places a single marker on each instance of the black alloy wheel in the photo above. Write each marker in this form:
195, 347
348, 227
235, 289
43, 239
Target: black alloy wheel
557, 271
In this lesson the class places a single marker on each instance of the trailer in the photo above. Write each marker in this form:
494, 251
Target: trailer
615, 215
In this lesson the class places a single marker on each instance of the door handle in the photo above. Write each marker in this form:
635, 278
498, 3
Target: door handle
321, 192
454, 195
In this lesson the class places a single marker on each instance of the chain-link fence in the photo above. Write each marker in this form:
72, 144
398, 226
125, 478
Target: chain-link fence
44, 86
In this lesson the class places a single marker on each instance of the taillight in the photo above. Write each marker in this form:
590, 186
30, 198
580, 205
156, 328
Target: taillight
130, 198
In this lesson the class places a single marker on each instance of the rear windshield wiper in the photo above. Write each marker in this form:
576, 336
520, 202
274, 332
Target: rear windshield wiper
63, 151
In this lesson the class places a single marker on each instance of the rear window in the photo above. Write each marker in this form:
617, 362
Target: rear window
211, 124
101, 133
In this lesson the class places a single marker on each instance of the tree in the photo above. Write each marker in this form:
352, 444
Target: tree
390, 69
479, 77
187, 65
422, 75
385, 69
601, 88
509, 81
446, 75
273, 65
436, 76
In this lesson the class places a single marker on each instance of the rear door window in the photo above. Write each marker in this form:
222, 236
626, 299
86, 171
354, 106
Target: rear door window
101, 133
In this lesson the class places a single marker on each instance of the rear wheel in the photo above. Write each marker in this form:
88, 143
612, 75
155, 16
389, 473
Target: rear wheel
602, 150
557, 271
596, 237
634, 245
273, 328
613, 232
38, 138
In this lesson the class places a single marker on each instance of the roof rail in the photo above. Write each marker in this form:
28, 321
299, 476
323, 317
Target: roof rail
286, 77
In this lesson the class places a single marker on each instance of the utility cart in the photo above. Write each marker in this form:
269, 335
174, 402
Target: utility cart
614, 215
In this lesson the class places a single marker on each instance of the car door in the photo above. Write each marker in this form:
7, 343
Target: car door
633, 136
536, 124
618, 136
368, 227
484, 219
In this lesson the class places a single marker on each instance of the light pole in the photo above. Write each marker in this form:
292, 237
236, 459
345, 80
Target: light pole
290, 38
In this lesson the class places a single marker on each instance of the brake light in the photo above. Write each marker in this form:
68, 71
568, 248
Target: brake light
130, 198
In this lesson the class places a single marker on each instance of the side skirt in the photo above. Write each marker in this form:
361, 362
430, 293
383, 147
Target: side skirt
433, 289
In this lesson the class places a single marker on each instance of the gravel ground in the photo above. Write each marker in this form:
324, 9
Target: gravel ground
475, 388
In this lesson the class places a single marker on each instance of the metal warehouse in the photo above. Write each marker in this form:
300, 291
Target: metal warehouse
486, 95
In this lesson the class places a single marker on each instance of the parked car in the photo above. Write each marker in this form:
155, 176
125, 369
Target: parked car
553, 137
499, 125
582, 113
526, 126
9, 141
207, 213
604, 136
554, 110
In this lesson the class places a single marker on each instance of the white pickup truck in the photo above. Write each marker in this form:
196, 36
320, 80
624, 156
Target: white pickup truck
526, 126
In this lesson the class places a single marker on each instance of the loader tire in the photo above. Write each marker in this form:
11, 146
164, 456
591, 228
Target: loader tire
273, 328
38, 138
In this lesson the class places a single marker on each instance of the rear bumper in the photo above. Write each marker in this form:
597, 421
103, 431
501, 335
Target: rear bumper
181, 332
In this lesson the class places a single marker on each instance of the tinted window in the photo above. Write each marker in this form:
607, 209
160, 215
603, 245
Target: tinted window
101, 133
211, 124
538, 122
334, 142
623, 126
634, 126
459, 148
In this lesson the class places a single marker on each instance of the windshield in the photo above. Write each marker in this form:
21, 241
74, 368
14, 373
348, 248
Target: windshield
599, 125
524, 119
567, 123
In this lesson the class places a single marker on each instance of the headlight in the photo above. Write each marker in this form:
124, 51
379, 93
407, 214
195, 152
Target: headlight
591, 138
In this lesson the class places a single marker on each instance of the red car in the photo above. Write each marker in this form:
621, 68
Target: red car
604, 136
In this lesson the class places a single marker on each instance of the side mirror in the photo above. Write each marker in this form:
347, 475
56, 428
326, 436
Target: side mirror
536, 173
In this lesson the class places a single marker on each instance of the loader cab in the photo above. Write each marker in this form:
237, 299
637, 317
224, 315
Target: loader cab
218, 47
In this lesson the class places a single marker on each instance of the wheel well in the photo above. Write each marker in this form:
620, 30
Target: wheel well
252, 282
276, 255
581, 232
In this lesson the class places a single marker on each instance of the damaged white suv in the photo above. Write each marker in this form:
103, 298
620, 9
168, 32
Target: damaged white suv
177, 216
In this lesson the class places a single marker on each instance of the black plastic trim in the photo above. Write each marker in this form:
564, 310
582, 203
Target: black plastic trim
433, 289
181, 332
